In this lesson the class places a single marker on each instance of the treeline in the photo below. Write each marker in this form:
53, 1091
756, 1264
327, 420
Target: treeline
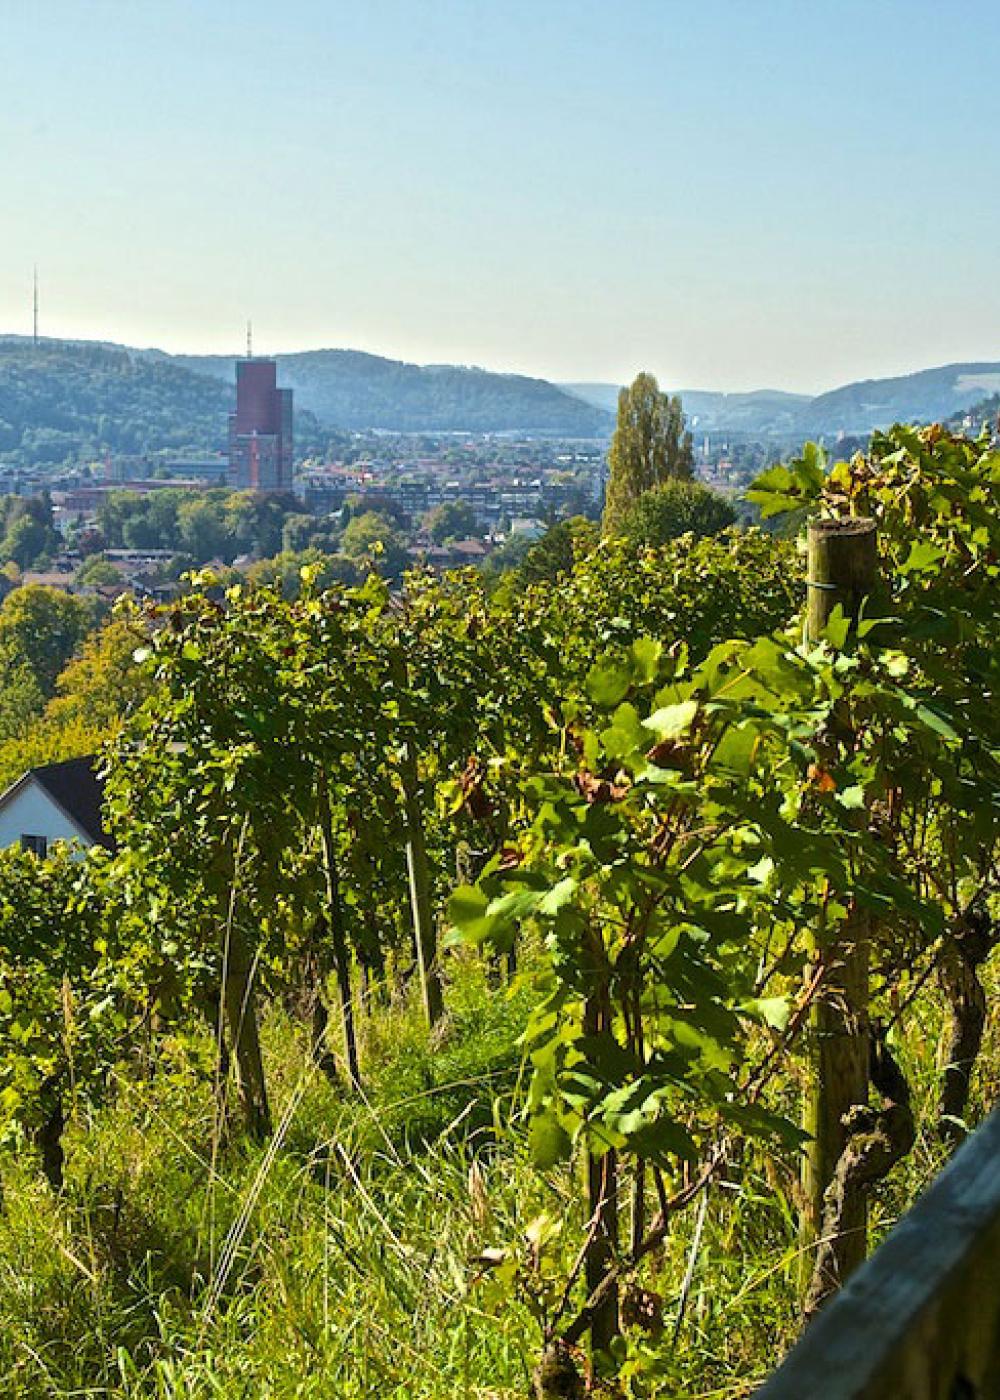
281, 538
66, 674
273, 530
196, 528
985, 413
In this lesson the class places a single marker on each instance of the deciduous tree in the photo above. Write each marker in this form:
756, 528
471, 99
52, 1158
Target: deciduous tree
675, 508
650, 445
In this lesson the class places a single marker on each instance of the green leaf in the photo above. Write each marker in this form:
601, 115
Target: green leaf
773, 1011
838, 624
762, 871
558, 896
672, 721
646, 653
853, 798
548, 1141
923, 555
466, 904
518, 904
936, 722
625, 735
608, 682
760, 1123
664, 1137
784, 488
467, 912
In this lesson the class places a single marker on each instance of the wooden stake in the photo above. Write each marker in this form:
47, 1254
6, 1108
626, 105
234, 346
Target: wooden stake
421, 903
842, 569
338, 935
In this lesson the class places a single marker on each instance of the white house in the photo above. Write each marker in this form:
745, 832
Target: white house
527, 528
57, 802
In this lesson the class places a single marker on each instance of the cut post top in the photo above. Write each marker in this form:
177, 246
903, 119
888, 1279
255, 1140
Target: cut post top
842, 568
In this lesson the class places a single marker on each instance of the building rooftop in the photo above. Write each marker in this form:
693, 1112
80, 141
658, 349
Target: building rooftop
75, 787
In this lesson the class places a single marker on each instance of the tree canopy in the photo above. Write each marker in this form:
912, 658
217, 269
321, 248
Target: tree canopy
649, 446
42, 628
452, 520
675, 508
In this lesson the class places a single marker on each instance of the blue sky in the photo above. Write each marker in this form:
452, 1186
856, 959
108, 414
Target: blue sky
732, 193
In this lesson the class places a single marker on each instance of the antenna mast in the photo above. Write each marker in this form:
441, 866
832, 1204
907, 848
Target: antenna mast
249, 340
34, 307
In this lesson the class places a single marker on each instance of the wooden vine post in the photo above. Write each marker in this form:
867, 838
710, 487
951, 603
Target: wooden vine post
842, 569
338, 935
421, 902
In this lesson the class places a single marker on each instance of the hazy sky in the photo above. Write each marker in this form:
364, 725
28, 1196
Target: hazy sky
732, 193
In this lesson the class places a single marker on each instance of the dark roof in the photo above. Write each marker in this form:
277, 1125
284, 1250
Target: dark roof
77, 789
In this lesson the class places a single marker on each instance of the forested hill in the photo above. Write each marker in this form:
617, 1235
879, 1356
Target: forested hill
926, 396
62, 401
765, 411
351, 389
73, 400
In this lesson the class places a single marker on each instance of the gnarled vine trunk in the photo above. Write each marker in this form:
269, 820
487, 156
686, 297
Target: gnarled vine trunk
964, 951
338, 935
418, 871
240, 1006
875, 1140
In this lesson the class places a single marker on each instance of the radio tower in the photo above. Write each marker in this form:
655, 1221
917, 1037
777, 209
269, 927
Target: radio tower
34, 307
249, 340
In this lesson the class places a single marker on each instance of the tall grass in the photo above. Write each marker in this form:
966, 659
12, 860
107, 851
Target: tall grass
340, 1260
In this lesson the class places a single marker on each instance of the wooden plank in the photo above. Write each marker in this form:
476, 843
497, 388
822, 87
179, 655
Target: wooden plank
921, 1319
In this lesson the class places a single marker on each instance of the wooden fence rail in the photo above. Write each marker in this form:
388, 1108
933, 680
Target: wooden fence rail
921, 1319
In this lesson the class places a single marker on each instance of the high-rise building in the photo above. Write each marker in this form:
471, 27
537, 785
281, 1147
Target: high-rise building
260, 431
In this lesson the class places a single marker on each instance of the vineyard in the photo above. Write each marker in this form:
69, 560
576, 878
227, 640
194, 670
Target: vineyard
486, 995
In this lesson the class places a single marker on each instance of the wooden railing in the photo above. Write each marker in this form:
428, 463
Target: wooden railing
921, 1319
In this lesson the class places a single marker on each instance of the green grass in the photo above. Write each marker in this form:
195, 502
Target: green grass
338, 1260
334, 1262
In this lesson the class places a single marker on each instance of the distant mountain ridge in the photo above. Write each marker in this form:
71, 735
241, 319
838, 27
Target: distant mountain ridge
707, 410
925, 396
352, 389
184, 399
66, 401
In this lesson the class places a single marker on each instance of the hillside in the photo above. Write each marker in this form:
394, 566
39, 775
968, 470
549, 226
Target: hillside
985, 411
291, 1052
760, 411
69, 401
925, 396
63, 402
859, 407
351, 389
74, 400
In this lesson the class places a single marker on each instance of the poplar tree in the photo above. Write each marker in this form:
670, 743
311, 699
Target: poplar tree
650, 446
